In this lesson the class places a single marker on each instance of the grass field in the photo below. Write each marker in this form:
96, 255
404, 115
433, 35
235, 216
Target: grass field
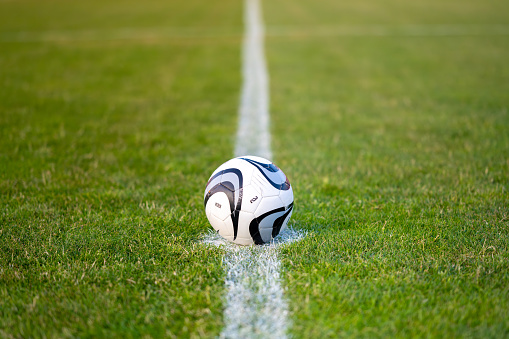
390, 119
106, 146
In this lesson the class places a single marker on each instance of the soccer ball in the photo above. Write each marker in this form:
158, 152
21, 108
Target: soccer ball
248, 200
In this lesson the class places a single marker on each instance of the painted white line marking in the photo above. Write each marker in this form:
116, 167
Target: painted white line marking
255, 305
253, 135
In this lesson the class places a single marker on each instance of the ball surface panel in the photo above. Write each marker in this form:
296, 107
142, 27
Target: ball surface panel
219, 226
251, 198
263, 185
219, 206
286, 196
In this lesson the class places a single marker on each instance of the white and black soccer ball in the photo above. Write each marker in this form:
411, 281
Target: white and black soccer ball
248, 200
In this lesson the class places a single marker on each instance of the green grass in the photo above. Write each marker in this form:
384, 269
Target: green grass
112, 118
398, 150
106, 147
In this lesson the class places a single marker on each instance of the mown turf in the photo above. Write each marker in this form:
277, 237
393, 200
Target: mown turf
111, 121
113, 116
398, 150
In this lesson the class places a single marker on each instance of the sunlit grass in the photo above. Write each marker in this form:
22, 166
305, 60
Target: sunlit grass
397, 149
106, 147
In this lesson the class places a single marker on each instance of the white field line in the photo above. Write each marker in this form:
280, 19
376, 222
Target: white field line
255, 304
253, 135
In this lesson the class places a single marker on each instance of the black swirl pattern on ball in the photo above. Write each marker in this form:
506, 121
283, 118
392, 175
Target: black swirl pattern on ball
268, 171
254, 226
229, 182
